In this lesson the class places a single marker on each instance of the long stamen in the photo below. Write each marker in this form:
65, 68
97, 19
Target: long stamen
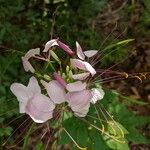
114, 65
12, 146
15, 131
102, 51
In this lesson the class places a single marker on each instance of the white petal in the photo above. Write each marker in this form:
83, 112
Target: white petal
40, 108
90, 68
90, 53
55, 91
83, 65
49, 44
80, 53
33, 86
81, 76
78, 100
27, 66
77, 63
97, 94
22, 106
20, 91
82, 112
32, 53
76, 86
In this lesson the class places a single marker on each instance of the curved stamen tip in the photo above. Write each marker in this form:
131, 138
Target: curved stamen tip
125, 74
138, 78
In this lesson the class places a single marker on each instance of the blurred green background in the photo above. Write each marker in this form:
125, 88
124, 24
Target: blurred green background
26, 24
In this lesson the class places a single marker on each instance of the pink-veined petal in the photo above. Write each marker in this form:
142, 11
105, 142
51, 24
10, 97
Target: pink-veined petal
97, 94
32, 53
80, 53
65, 47
81, 76
49, 44
76, 86
40, 108
90, 68
20, 91
90, 53
33, 86
78, 100
83, 65
77, 63
55, 91
82, 112
27, 66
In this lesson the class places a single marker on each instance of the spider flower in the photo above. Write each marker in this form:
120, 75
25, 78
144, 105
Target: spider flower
75, 91
38, 106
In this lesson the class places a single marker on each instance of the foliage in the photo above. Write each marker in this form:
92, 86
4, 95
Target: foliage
86, 136
145, 16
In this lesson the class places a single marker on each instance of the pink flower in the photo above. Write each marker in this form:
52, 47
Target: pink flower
80, 76
26, 64
83, 65
78, 98
55, 91
76, 86
56, 42
81, 54
49, 44
38, 106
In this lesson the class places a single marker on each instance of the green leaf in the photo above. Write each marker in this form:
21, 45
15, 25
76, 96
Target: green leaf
134, 100
96, 141
39, 146
128, 119
117, 145
124, 42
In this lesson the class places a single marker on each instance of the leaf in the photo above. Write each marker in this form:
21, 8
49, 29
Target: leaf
124, 42
96, 141
77, 130
116, 145
39, 146
127, 118
134, 100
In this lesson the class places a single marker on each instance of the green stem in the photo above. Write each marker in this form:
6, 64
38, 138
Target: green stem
49, 62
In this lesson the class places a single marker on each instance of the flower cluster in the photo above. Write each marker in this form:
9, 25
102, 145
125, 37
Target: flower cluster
69, 87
